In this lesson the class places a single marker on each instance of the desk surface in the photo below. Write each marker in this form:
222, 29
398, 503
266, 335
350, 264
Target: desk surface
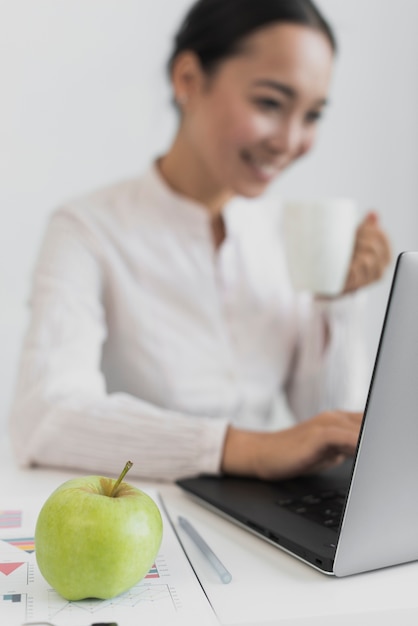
268, 586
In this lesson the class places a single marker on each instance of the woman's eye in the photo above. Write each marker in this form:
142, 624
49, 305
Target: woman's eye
313, 116
269, 104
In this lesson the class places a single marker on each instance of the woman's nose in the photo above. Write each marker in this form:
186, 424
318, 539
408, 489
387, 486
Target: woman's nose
288, 138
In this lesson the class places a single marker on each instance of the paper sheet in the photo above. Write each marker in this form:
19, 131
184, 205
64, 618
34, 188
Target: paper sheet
170, 594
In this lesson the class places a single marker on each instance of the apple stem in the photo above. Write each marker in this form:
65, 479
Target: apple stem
121, 477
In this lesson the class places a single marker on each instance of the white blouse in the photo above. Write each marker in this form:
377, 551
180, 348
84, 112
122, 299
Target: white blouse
145, 341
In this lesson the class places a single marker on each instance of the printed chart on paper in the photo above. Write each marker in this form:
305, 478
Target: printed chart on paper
168, 594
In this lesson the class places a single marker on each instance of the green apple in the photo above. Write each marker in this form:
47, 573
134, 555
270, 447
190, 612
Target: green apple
96, 537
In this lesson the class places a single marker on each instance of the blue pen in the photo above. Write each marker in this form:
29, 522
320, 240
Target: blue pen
220, 569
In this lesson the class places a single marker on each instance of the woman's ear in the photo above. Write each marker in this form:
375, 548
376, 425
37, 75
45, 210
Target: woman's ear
187, 77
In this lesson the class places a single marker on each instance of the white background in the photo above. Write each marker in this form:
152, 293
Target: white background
84, 100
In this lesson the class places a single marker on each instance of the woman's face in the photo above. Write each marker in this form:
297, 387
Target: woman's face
259, 111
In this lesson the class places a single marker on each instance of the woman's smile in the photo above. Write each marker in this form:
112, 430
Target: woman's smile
263, 170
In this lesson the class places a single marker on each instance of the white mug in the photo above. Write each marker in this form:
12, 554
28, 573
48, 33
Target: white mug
319, 238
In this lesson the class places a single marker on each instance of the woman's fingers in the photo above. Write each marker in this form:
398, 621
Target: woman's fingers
323, 441
372, 254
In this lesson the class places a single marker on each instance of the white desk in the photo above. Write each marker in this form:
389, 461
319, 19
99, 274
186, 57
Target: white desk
268, 586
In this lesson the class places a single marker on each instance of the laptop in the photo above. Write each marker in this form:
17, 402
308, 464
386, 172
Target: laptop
363, 514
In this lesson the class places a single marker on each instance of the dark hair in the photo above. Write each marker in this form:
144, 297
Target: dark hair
214, 29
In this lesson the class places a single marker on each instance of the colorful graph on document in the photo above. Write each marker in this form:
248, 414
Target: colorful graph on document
9, 568
23, 543
12, 597
10, 519
153, 572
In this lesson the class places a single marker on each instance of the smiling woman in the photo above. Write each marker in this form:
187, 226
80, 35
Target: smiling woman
164, 327
251, 116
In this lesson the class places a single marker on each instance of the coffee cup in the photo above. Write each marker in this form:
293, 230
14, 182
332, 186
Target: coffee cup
319, 236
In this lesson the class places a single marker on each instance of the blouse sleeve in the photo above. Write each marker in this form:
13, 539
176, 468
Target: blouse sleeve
62, 414
330, 368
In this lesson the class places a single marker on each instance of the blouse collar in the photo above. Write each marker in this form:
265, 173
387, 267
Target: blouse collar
187, 213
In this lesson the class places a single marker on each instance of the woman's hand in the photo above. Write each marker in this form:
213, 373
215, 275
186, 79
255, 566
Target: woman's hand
371, 254
317, 444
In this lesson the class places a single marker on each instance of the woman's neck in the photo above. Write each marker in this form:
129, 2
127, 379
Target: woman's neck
185, 173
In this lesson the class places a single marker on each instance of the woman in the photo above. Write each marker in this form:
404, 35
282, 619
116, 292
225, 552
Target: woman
164, 326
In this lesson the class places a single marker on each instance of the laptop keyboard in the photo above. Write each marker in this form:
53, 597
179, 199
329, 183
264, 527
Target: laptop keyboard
325, 507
